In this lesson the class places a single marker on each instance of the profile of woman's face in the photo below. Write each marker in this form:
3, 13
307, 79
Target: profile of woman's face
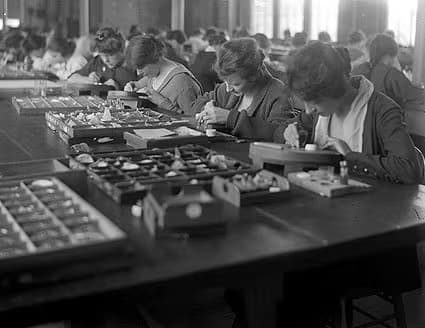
236, 84
149, 70
323, 106
111, 60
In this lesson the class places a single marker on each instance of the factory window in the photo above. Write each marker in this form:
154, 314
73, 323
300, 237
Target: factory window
402, 20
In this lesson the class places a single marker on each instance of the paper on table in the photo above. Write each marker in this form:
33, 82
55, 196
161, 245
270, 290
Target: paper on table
153, 133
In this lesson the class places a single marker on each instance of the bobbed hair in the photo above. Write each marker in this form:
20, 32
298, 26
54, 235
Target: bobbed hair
242, 56
108, 41
380, 46
319, 71
61, 45
143, 50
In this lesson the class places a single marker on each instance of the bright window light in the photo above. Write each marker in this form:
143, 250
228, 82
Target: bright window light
402, 20
324, 17
262, 17
291, 16
11, 22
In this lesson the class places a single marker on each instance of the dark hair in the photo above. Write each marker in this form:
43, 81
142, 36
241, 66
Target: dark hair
143, 50
33, 42
242, 56
263, 41
287, 33
153, 31
13, 40
240, 32
108, 41
318, 70
380, 46
177, 35
211, 31
356, 37
324, 37
216, 39
61, 45
299, 39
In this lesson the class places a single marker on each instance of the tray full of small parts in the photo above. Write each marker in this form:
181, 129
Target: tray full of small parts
251, 188
43, 218
127, 176
109, 122
40, 105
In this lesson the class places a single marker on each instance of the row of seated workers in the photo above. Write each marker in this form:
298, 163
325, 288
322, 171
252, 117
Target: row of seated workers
361, 116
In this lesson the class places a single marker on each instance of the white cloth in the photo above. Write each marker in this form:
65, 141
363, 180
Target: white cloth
353, 124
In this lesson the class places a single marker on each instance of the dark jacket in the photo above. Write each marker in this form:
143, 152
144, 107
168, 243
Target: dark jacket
120, 74
265, 119
394, 84
388, 151
203, 69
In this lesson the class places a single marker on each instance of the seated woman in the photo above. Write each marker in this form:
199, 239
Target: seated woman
349, 116
79, 58
34, 47
251, 103
58, 50
203, 65
108, 66
168, 84
383, 70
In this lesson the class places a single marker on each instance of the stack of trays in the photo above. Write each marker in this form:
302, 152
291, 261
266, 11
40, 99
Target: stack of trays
126, 176
88, 125
43, 216
40, 105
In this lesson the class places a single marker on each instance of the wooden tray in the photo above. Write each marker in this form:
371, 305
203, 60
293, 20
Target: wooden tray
126, 186
41, 105
135, 141
226, 189
327, 187
273, 153
147, 118
29, 212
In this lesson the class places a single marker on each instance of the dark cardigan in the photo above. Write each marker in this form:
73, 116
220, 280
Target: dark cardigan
266, 117
388, 151
394, 84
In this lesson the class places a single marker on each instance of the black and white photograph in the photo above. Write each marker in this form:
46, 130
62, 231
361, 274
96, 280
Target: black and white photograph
212, 164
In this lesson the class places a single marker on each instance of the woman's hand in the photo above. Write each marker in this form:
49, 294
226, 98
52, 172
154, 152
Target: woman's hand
154, 95
112, 83
142, 83
291, 135
130, 86
337, 144
94, 77
212, 114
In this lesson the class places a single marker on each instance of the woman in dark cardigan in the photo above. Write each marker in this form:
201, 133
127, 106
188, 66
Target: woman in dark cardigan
250, 103
366, 126
384, 71
348, 115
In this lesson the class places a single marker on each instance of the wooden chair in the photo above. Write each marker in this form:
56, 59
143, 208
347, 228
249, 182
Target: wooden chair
348, 308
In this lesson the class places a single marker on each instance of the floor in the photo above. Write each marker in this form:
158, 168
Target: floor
208, 310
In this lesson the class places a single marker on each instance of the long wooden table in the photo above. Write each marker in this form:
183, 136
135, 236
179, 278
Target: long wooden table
304, 230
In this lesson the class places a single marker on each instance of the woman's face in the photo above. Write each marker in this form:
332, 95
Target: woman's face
236, 84
150, 70
53, 57
111, 60
323, 106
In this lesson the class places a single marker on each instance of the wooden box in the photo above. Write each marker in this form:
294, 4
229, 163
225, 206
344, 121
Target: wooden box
327, 187
188, 163
192, 211
61, 104
45, 222
228, 189
177, 137
279, 154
